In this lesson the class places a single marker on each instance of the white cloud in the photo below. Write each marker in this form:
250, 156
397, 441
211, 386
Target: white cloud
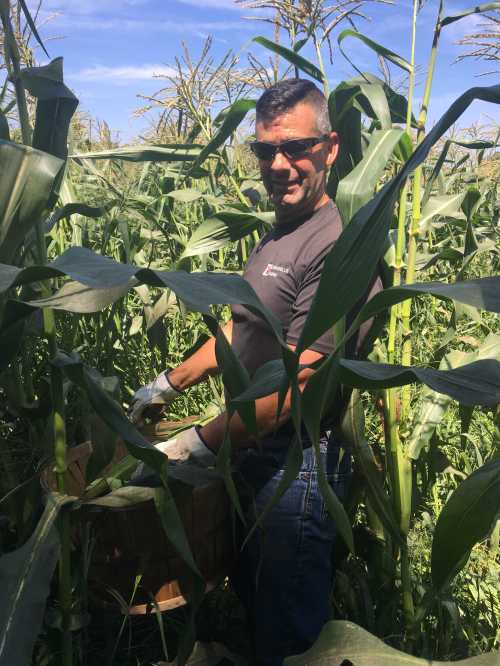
159, 26
213, 4
121, 75
88, 7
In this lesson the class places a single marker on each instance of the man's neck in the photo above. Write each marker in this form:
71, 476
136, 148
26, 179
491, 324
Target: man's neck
289, 218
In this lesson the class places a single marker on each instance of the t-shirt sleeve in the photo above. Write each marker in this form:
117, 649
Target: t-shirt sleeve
302, 305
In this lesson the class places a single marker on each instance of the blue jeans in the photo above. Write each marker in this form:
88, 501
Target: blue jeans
284, 573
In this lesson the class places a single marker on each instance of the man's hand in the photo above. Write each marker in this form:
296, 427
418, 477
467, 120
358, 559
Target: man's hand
188, 447
158, 392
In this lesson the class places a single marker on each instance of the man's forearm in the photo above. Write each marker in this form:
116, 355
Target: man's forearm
200, 365
213, 433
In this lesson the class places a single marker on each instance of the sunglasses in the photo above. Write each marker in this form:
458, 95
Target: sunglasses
292, 149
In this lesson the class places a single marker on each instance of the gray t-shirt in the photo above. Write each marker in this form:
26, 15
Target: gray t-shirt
284, 270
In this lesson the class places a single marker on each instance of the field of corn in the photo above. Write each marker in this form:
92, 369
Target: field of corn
105, 252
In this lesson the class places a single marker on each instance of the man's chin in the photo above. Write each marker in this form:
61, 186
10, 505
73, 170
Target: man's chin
286, 201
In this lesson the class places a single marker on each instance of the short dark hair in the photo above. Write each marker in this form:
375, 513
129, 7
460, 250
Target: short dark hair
286, 94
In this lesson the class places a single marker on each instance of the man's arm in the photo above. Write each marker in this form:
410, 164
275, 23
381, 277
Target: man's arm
213, 433
200, 365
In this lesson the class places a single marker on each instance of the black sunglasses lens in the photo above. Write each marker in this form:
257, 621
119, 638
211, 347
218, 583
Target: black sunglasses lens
263, 151
295, 147
291, 149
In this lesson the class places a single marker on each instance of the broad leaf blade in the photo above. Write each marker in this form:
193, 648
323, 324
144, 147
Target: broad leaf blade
465, 520
26, 184
341, 641
224, 227
476, 383
31, 23
25, 576
55, 107
357, 187
175, 152
232, 120
486, 7
434, 405
447, 205
374, 46
292, 57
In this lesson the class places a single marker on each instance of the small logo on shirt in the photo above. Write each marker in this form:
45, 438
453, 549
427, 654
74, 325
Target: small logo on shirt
273, 270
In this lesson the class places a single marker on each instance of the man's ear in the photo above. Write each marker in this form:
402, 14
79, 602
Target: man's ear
333, 148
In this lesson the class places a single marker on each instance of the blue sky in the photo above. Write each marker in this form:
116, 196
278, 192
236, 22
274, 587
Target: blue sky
114, 48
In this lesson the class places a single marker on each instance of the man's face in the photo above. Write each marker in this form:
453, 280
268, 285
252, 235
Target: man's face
296, 186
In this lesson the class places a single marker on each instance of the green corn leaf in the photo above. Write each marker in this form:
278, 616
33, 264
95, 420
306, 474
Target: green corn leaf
352, 430
292, 57
434, 405
486, 7
233, 118
364, 94
32, 26
470, 203
76, 297
372, 101
25, 575
380, 50
224, 227
55, 107
345, 119
292, 467
446, 205
14, 319
334, 505
174, 152
481, 293
85, 210
398, 104
476, 383
28, 176
236, 379
465, 520
357, 187
197, 290
187, 195
4, 128
341, 641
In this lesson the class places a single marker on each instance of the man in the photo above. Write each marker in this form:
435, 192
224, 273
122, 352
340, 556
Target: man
284, 572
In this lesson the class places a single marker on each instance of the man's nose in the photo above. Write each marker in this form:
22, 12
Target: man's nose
280, 161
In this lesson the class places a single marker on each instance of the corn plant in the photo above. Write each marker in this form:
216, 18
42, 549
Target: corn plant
190, 195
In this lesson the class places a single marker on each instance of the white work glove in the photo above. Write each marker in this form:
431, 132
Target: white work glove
188, 447
158, 392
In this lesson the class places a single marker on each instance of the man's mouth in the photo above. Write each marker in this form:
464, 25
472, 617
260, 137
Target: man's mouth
283, 186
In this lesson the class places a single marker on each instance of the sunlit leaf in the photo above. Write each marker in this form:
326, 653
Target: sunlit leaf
224, 227
434, 405
174, 152
374, 46
26, 184
466, 519
357, 187
292, 57
232, 120
341, 641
